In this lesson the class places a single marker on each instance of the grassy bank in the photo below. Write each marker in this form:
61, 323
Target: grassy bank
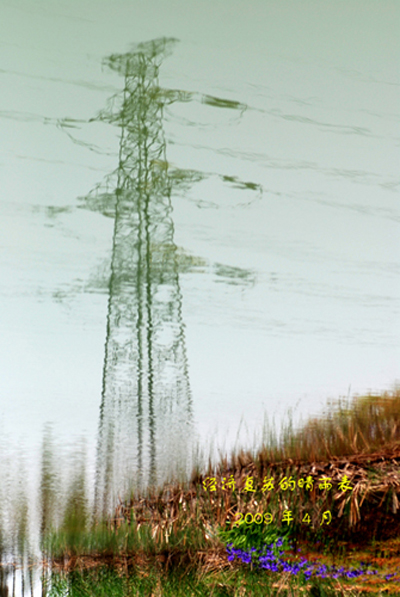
316, 513
199, 535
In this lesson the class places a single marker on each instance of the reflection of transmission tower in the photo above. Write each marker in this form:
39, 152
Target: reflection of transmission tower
145, 414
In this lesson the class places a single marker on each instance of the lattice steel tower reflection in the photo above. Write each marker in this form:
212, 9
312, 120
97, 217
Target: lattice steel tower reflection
145, 415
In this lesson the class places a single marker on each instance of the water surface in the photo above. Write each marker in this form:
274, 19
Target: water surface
200, 222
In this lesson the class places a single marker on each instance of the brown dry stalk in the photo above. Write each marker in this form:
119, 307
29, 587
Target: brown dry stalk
373, 477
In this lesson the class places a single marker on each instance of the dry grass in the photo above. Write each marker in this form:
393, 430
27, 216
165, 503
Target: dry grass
361, 442
176, 526
362, 426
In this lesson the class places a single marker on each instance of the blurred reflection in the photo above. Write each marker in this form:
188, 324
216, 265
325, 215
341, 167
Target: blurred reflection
3, 583
146, 413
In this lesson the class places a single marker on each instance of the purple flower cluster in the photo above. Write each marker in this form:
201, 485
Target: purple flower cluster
270, 558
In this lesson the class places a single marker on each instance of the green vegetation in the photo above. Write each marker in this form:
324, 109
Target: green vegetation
106, 582
194, 538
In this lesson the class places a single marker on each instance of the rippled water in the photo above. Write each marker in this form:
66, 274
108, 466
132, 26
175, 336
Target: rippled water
200, 221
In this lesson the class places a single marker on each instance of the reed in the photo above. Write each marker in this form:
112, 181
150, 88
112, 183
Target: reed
182, 528
361, 425
182, 525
